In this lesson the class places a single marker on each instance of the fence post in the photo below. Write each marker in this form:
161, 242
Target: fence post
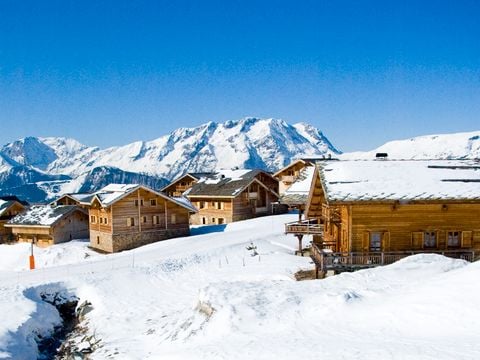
383, 258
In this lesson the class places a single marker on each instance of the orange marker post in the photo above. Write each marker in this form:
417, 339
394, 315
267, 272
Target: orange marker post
32, 258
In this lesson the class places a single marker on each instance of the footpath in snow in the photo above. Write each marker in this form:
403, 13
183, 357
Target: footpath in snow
206, 297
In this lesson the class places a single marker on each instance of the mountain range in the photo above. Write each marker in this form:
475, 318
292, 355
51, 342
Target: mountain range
38, 169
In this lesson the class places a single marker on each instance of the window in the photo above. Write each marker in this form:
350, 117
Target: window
153, 202
221, 221
219, 205
98, 240
101, 220
155, 219
93, 219
430, 239
212, 205
204, 220
453, 239
213, 220
136, 202
202, 205
375, 241
131, 221
144, 219
105, 221
173, 218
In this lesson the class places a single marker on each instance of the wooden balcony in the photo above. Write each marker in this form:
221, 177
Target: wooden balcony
325, 259
304, 227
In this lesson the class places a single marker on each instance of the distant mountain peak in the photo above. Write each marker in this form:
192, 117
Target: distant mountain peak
250, 142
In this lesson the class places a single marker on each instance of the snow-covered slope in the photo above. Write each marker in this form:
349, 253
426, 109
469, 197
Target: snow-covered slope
247, 143
445, 146
206, 297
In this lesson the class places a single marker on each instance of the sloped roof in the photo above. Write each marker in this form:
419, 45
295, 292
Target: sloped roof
297, 193
195, 176
225, 183
115, 192
6, 202
400, 180
43, 215
83, 198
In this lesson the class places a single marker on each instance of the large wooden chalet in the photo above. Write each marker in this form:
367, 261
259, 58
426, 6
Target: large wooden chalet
373, 212
127, 216
232, 195
10, 206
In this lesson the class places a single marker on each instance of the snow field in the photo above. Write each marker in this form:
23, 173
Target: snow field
206, 297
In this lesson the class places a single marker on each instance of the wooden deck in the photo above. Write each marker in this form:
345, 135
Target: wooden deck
304, 227
326, 260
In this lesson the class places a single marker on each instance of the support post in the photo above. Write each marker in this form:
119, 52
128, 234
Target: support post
32, 258
300, 247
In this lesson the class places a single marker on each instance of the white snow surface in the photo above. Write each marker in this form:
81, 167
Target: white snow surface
44, 215
465, 145
302, 185
401, 180
205, 297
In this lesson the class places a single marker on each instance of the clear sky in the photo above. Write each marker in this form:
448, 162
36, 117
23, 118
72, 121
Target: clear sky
364, 72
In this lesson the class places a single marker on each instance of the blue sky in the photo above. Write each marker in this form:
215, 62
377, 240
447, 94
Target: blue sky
364, 72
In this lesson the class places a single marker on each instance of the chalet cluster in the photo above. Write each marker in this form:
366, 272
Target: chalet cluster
125, 216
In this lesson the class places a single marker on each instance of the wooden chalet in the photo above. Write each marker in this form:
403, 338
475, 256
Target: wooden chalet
47, 225
79, 199
178, 186
233, 195
372, 212
10, 206
127, 216
290, 173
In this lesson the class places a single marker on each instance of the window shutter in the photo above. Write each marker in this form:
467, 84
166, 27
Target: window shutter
386, 241
129, 222
366, 241
467, 237
417, 240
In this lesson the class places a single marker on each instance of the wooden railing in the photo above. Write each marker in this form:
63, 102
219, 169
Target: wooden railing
306, 227
288, 178
349, 261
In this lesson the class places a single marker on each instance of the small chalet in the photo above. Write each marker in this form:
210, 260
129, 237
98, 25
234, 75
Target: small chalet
127, 216
46, 225
233, 195
10, 206
79, 199
290, 173
373, 212
178, 186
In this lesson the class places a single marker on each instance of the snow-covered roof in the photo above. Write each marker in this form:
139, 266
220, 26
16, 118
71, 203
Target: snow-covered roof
297, 193
400, 180
4, 205
114, 192
225, 183
42, 215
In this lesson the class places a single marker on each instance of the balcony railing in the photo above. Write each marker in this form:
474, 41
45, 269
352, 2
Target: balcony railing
304, 227
349, 261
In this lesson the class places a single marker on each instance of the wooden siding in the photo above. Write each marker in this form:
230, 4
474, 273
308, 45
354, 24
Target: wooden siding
5, 232
178, 187
208, 210
401, 224
120, 233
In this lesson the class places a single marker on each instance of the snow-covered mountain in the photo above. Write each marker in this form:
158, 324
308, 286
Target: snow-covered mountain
464, 145
247, 143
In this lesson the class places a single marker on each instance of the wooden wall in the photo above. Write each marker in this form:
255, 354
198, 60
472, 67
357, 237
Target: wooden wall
209, 214
402, 226
6, 233
170, 215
